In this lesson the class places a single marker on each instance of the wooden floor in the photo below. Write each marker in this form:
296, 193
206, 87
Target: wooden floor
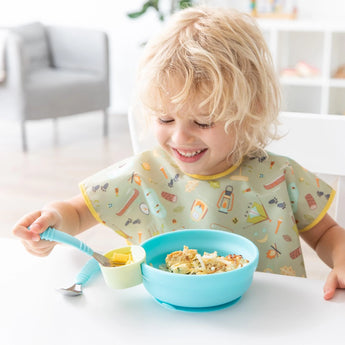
59, 157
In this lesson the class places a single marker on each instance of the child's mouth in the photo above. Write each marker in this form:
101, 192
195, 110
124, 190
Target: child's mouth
189, 156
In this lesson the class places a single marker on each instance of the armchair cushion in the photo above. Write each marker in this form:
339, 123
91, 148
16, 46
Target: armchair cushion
53, 93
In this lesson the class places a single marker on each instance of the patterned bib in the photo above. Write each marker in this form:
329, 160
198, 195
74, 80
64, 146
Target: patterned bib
268, 200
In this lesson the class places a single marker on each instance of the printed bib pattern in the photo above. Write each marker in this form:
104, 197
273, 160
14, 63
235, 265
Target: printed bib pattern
269, 200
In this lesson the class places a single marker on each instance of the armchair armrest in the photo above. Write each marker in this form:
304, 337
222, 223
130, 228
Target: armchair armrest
80, 49
15, 62
12, 89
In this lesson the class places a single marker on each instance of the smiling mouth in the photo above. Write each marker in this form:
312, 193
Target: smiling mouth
189, 156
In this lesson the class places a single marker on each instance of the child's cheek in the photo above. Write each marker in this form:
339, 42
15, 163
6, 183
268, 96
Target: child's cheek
160, 134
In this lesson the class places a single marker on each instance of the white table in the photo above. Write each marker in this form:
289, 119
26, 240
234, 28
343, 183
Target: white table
275, 310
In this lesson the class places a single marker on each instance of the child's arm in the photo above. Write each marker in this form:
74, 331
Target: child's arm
71, 216
327, 238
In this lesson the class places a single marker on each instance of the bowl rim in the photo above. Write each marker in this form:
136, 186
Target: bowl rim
249, 266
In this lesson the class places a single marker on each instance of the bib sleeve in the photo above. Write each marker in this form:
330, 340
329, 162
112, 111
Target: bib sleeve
127, 196
310, 196
104, 191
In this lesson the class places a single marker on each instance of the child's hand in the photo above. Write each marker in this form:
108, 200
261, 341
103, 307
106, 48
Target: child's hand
335, 280
38, 222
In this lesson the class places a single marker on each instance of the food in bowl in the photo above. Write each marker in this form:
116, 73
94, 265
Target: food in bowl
189, 261
198, 292
121, 258
127, 274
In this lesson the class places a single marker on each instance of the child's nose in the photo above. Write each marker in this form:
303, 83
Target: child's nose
182, 134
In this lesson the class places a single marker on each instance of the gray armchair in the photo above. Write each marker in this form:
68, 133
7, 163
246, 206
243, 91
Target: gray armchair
53, 72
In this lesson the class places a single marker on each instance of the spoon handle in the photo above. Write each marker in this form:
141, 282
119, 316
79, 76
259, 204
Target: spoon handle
54, 235
88, 271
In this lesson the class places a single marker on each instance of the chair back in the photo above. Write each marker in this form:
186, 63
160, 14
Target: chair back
140, 131
316, 142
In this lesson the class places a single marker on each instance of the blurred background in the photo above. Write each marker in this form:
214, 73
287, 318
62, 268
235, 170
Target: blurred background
126, 35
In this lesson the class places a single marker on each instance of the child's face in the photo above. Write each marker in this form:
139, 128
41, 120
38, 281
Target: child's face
197, 146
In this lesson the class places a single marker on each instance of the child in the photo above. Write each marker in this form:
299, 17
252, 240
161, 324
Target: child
209, 87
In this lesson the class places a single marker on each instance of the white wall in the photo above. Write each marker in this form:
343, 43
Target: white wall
126, 34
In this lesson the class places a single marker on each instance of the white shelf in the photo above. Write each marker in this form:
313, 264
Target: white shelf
299, 81
337, 83
319, 45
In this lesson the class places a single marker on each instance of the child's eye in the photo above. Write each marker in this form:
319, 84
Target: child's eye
165, 121
204, 125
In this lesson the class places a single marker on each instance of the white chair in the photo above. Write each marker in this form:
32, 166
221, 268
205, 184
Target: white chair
317, 142
142, 137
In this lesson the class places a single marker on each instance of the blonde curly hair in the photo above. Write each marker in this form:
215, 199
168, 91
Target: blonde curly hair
219, 56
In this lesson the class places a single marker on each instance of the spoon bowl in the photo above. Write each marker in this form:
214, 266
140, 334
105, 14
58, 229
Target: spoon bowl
89, 270
74, 290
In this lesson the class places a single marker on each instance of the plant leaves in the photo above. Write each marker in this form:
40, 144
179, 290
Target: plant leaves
185, 3
151, 3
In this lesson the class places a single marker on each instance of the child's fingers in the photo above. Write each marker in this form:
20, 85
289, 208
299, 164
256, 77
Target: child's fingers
38, 222
330, 285
21, 228
25, 234
40, 248
40, 225
45, 220
28, 219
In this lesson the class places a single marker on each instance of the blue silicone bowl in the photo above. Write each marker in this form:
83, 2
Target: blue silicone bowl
198, 292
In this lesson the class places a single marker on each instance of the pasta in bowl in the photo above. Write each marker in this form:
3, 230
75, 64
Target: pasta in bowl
189, 261
198, 292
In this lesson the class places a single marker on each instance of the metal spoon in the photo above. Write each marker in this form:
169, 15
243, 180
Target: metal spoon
90, 269
54, 235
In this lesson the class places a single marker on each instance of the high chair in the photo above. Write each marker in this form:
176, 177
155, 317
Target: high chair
316, 142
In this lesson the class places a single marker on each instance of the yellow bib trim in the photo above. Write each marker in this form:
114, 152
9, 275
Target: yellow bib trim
89, 204
215, 176
322, 214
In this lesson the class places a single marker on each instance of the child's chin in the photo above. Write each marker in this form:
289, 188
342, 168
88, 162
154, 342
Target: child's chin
189, 170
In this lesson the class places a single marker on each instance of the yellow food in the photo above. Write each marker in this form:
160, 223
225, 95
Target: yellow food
189, 261
121, 259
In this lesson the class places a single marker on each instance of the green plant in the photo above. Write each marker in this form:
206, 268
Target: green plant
175, 5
